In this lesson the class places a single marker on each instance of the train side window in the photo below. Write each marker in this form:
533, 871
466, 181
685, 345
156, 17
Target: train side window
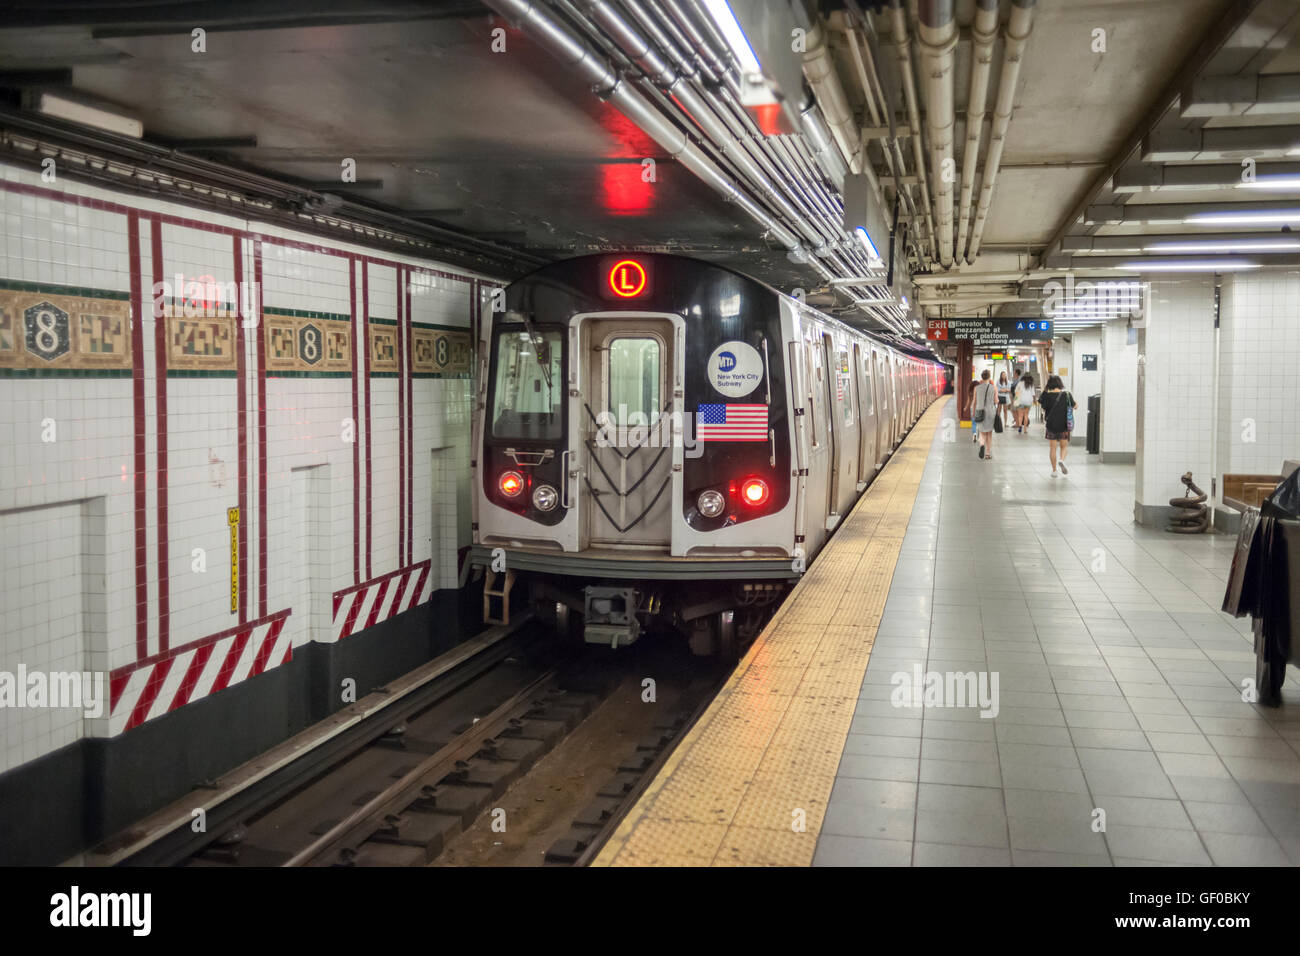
813, 379
634, 376
527, 398
867, 399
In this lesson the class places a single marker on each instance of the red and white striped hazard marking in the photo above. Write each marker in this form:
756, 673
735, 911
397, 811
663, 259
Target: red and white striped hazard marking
153, 687
365, 605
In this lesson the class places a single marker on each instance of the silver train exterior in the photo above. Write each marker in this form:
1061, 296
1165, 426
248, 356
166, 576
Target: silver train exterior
663, 442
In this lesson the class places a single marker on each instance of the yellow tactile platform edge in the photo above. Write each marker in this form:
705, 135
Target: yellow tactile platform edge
750, 783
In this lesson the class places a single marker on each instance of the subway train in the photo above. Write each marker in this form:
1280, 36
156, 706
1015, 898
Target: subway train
662, 444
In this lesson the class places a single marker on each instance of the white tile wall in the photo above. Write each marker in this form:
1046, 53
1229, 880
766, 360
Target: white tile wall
44, 486
1175, 428
1259, 372
1118, 389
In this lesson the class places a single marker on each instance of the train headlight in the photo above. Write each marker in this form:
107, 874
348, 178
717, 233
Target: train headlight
545, 498
754, 492
710, 503
511, 484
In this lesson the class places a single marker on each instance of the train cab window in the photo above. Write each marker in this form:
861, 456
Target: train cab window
527, 401
634, 376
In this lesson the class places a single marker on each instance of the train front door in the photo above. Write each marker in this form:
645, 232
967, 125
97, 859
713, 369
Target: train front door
631, 394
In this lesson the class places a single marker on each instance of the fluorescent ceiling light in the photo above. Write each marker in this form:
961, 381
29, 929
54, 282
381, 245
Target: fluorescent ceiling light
1191, 265
871, 246
1281, 183
61, 107
1243, 218
1214, 245
720, 10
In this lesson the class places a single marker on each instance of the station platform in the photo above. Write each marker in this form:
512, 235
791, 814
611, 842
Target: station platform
1116, 731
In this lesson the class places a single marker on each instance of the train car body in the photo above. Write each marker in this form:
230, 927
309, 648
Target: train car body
659, 439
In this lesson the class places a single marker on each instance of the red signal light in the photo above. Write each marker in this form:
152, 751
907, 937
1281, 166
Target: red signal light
511, 484
754, 492
627, 279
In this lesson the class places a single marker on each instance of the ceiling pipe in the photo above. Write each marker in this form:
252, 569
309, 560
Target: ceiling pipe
578, 57
866, 70
903, 48
634, 45
825, 82
984, 30
1015, 38
937, 43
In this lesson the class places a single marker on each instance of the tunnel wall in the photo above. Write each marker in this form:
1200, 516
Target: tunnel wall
235, 455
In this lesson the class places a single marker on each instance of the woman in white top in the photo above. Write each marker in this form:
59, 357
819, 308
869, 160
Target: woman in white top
986, 401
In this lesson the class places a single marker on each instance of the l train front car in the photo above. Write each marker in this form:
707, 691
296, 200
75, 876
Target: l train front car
662, 443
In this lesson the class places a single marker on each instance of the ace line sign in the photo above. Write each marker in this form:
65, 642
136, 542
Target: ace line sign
987, 334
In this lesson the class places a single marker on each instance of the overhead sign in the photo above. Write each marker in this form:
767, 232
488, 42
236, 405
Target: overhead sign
989, 334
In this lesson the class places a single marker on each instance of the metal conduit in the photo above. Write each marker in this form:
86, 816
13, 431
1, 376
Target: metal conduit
937, 42
1016, 37
904, 52
984, 30
573, 52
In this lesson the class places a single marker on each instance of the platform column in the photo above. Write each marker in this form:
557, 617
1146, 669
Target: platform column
1175, 393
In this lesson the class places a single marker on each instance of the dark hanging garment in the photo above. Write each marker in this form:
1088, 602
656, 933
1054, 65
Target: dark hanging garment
1232, 602
1269, 593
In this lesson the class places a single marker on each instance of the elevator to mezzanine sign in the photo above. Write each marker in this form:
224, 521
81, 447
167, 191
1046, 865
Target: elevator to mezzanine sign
990, 333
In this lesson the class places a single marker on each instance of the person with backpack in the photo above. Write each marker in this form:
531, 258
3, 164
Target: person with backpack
1058, 406
984, 413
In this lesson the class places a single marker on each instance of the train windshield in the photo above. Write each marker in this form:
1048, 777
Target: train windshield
526, 403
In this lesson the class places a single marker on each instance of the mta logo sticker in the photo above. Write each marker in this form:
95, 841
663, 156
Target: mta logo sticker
46, 327
726, 361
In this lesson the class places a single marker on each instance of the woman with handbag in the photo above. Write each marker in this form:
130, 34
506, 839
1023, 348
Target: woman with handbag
1024, 396
1059, 406
984, 412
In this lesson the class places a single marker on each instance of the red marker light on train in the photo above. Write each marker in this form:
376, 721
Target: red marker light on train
627, 278
754, 492
511, 484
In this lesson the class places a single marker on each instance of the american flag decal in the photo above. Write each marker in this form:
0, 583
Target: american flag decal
731, 423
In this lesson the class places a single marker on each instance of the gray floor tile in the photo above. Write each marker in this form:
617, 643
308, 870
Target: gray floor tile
932, 854
1056, 835
878, 793
880, 746
961, 829
1144, 812
1127, 783
1225, 818
874, 822
856, 851
1048, 805
960, 772
1242, 850
1043, 858
875, 767
1157, 845
950, 798
1026, 777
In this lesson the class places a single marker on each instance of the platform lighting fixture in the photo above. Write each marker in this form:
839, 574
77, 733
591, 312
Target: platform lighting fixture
1278, 183
64, 108
726, 20
1191, 265
1240, 245
1242, 218
872, 254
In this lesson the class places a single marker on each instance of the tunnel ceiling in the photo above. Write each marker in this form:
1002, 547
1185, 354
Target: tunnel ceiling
512, 148
504, 146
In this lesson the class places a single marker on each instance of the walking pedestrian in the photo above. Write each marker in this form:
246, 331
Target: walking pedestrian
1059, 406
984, 411
1024, 398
